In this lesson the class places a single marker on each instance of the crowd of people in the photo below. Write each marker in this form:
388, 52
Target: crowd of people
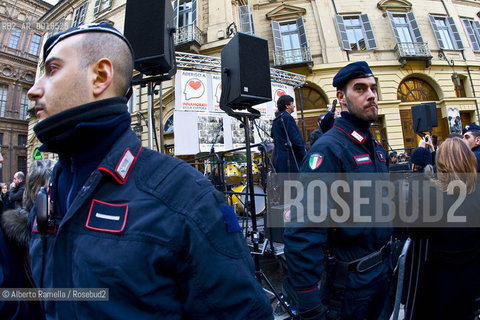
165, 243
12, 194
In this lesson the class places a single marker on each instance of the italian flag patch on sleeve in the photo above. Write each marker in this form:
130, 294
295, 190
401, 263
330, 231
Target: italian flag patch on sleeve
315, 161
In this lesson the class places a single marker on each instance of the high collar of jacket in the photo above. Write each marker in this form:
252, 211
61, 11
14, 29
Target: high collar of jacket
85, 129
356, 122
281, 114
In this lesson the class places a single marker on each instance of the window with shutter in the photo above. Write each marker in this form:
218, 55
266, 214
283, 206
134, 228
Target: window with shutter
290, 42
246, 20
367, 28
79, 16
472, 33
446, 33
185, 12
406, 32
101, 5
342, 33
455, 34
277, 36
355, 32
415, 29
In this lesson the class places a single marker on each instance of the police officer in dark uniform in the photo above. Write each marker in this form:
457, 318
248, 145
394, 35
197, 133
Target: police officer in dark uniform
471, 136
289, 146
148, 227
348, 147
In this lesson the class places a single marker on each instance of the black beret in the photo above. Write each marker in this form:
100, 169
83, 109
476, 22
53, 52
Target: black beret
421, 157
91, 27
359, 69
471, 127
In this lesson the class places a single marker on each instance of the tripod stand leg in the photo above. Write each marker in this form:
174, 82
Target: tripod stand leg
261, 276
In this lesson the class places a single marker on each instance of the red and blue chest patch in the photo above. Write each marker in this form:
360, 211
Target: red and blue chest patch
107, 217
362, 159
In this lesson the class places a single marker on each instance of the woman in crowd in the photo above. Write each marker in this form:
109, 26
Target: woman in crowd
449, 260
15, 270
5, 202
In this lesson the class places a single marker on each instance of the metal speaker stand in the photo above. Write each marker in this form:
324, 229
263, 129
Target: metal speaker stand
245, 117
151, 83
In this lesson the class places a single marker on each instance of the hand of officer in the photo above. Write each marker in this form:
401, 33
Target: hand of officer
476, 314
318, 313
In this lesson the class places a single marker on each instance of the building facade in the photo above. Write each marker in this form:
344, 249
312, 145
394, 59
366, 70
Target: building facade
421, 51
20, 40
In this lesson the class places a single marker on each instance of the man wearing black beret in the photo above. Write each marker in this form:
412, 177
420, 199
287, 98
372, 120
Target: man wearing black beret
471, 136
361, 286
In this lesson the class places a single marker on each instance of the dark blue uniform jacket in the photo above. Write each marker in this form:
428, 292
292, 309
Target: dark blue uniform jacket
156, 233
347, 147
284, 157
476, 151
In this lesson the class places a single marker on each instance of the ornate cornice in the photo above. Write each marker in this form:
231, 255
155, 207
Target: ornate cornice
285, 11
394, 5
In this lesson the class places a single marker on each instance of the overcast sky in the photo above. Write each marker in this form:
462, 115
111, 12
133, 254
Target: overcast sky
51, 1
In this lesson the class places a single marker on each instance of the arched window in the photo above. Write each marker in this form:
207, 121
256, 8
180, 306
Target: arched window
414, 89
312, 99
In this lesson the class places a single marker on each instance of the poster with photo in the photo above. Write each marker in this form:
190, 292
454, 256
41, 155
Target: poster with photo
238, 134
279, 90
263, 133
216, 92
454, 121
210, 127
191, 91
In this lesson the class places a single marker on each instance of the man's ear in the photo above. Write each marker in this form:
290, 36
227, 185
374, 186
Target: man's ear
477, 141
103, 76
341, 98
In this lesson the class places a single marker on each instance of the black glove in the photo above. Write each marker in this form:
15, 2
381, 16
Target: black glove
332, 108
317, 313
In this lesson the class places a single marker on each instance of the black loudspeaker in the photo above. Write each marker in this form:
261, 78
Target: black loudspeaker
149, 28
424, 117
245, 72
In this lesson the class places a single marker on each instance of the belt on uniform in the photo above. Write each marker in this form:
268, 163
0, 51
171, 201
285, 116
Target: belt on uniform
369, 261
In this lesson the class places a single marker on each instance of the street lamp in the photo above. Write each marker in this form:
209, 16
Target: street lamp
451, 63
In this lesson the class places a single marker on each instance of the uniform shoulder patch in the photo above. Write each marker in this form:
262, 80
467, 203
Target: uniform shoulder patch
315, 161
381, 156
231, 220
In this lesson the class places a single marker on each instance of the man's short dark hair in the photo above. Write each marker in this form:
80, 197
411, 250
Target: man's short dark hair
474, 133
98, 45
283, 102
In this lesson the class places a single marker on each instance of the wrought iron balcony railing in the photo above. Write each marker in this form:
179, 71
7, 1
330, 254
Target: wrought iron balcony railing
292, 56
189, 33
413, 49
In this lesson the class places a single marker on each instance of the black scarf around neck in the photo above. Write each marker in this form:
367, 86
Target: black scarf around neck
359, 123
80, 128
